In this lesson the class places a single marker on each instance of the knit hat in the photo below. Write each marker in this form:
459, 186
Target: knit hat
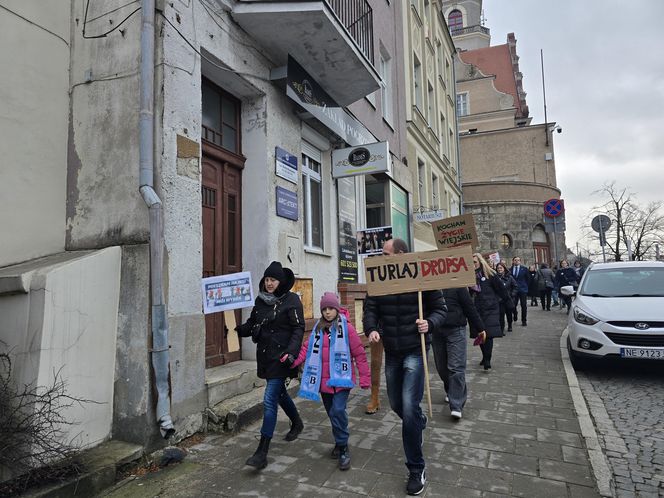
275, 271
329, 300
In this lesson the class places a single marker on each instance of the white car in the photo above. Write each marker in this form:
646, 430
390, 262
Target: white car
618, 312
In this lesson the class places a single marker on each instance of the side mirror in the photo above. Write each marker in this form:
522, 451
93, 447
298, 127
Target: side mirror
567, 290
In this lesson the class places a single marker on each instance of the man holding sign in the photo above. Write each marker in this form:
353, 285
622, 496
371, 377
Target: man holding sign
394, 319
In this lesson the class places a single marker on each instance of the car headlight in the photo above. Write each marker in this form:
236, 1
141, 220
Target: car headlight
583, 317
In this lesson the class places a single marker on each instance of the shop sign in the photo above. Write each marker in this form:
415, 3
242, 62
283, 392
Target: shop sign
362, 160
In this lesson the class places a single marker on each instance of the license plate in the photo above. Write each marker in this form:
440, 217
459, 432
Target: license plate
642, 353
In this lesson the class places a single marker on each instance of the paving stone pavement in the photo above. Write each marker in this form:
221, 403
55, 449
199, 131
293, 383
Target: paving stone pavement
626, 402
519, 436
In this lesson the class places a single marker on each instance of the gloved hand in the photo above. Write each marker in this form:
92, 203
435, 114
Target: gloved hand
287, 359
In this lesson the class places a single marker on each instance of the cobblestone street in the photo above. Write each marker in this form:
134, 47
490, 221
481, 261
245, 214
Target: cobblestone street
627, 405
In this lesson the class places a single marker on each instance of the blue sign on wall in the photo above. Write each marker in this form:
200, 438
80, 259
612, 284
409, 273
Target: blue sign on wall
286, 204
286, 165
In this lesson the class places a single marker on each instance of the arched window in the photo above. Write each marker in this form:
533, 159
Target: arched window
505, 241
455, 21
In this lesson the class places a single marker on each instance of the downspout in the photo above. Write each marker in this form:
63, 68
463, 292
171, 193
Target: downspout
456, 121
159, 322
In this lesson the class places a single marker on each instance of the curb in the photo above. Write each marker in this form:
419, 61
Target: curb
598, 461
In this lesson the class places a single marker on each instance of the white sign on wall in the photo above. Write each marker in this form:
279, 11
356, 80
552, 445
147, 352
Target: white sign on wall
361, 160
227, 292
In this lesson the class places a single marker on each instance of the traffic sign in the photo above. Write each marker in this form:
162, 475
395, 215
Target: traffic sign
554, 208
601, 223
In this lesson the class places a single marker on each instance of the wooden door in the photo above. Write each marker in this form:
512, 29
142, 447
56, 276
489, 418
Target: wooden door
542, 253
221, 193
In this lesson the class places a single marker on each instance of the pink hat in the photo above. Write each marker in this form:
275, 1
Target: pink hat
329, 300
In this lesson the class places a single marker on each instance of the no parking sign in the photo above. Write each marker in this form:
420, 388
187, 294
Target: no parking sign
554, 208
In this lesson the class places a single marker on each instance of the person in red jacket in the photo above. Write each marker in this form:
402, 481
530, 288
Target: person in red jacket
328, 369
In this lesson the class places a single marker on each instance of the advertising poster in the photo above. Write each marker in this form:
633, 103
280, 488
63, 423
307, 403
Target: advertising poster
347, 242
370, 241
227, 292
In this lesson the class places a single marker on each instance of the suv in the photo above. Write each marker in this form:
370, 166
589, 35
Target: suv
618, 312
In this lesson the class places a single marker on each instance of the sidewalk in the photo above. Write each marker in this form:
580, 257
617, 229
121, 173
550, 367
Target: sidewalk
519, 437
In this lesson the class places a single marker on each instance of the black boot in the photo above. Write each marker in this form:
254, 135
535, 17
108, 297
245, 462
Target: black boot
334, 454
344, 458
295, 430
259, 458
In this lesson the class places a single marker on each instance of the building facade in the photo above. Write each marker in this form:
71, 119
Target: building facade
431, 119
249, 101
507, 162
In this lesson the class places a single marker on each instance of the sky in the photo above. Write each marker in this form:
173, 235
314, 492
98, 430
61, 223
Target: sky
604, 75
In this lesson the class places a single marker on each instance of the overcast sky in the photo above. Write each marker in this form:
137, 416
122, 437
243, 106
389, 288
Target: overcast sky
604, 73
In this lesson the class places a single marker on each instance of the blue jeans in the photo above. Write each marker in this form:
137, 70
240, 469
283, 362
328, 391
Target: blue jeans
335, 406
404, 375
449, 353
276, 394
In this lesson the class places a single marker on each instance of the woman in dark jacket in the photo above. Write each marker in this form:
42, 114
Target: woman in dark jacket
487, 293
512, 291
565, 276
533, 290
276, 325
449, 347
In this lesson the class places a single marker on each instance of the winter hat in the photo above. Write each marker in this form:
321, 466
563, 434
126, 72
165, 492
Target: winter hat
329, 300
275, 271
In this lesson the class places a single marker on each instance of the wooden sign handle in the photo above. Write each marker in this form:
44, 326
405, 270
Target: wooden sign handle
424, 356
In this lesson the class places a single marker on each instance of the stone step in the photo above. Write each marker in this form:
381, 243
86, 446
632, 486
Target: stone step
234, 413
101, 465
226, 381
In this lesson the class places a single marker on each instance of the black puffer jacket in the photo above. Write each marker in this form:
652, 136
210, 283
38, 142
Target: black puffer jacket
487, 303
459, 308
394, 318
276, 329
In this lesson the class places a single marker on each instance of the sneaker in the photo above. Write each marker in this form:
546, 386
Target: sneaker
447, 400
456, 414
416, 483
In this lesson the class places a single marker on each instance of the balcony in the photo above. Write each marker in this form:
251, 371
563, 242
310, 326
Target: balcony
331, 39
469, 29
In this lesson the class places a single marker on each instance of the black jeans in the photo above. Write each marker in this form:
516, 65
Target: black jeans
501, 317
487, 350
522, 297
546, 293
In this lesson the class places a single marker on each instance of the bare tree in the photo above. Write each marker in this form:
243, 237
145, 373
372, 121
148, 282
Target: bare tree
640, 227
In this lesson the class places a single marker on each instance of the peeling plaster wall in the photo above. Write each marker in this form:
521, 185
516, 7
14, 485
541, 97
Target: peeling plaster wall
33, 126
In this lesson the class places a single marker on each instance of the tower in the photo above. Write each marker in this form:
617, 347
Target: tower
464, 18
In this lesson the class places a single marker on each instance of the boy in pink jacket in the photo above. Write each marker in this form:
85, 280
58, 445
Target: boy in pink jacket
328, 369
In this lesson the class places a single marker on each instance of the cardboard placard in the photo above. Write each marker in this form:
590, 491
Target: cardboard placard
420, 271
232, 339
455, 231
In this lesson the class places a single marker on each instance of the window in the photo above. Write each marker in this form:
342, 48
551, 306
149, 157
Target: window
420, 183
399, 212
431, 103
505, 241
221, 117
312, 190
427, 12
417, 81
455, 21
375, 198
385, 67
434, 192
462, 104
443, 134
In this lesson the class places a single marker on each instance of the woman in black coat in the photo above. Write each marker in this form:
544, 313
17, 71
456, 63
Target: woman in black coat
565, 276
487, 293
276, 325
512, 290
533, 290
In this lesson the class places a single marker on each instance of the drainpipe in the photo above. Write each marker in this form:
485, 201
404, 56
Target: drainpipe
456, 121
159, 322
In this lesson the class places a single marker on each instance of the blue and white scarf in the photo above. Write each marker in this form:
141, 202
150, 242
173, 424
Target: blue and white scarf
341, 372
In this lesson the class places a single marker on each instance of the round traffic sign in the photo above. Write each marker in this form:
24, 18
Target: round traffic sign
601, 223
554, 208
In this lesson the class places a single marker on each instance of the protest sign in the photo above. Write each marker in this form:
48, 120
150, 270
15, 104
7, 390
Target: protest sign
455, 231
420, 271
227, 292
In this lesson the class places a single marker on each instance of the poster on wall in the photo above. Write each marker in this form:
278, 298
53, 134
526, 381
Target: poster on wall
370, 241
348, 266
285, 165
227, 292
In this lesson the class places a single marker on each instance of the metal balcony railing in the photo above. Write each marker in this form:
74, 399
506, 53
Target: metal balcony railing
357, 18
469, 29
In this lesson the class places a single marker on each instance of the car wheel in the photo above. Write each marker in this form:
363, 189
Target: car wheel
577, 362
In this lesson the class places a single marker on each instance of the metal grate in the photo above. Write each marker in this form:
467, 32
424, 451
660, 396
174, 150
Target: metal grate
641, 340
632, 325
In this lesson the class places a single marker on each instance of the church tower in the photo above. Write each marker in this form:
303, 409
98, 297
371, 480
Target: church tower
465, 20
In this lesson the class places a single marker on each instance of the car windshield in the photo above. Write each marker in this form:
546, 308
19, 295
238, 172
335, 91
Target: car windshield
624, 282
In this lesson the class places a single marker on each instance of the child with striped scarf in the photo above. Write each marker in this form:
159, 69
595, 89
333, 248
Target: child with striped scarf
328, 369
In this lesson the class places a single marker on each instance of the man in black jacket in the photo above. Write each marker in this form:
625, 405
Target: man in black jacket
394, 319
